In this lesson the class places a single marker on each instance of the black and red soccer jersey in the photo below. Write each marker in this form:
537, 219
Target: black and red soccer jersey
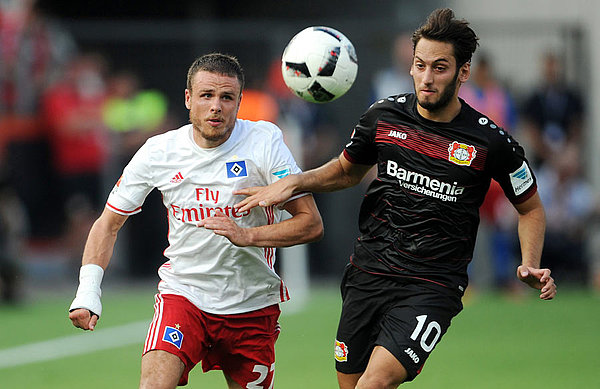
419, 217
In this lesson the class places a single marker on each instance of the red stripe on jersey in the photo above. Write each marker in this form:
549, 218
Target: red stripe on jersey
431, 145
121, 210
269, 252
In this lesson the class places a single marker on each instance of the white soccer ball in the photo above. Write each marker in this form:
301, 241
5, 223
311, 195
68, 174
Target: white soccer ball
319, 64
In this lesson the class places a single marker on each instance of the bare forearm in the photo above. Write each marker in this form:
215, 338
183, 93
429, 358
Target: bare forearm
531, 235
101, 240
532, 226
302, 228
327, 178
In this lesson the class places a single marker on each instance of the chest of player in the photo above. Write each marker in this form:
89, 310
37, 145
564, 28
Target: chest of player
208, 183
437, 162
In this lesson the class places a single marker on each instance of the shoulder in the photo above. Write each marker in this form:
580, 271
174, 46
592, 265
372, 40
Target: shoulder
261, 129
401, 102
473, 119
397, 105
168, 145
168, 138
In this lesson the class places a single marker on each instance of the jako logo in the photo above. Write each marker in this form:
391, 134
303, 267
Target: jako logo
412, 355
398, 134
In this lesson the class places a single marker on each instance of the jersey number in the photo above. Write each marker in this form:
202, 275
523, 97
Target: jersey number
432, 326
263, 371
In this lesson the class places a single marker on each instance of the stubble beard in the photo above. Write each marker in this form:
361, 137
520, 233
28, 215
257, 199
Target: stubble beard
444, 99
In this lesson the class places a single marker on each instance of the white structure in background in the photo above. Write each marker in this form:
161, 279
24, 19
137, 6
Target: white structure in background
294, 261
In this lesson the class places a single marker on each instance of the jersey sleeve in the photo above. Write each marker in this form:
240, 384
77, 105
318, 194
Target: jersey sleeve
130, 191
361, 148
281, 162
510, 168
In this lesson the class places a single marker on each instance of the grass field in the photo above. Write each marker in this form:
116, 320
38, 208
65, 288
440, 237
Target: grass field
496, 342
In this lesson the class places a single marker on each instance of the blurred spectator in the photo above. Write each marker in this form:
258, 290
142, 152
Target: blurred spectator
12, 231
72, 110
486, 94
396, 78
258, 105
33, 51
132, 114
553, 114
570, 204
498, 219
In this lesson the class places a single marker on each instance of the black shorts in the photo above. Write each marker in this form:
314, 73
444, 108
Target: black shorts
406, 318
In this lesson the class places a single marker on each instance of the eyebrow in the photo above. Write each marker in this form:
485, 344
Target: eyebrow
213, 90
435, 61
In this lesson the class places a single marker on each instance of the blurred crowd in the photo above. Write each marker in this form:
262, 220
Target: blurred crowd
70, 120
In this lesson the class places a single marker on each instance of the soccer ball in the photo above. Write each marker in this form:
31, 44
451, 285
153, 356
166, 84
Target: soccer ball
319, 64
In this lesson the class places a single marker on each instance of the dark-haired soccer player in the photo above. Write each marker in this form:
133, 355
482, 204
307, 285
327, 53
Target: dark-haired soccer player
435, 157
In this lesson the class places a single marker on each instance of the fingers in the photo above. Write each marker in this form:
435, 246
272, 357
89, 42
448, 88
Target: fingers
249, 202
538, 279
82, 318
247, 191
93, 322
260, 196
548, 289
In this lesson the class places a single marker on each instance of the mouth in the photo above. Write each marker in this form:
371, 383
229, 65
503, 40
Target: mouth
215, 122
427, 92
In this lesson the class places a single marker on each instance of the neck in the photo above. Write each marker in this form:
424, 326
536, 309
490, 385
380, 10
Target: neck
443, 115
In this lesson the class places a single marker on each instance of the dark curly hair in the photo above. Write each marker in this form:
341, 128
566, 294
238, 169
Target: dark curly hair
442, 26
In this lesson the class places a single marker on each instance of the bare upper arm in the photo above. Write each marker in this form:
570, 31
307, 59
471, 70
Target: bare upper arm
531, 204
111, 220
304, 204
354, 171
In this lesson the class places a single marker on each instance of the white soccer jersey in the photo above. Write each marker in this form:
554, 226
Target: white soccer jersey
206, 268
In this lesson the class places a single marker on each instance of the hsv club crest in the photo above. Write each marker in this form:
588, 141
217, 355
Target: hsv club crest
461, 154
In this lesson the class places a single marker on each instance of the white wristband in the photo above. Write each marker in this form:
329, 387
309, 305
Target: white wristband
89, 293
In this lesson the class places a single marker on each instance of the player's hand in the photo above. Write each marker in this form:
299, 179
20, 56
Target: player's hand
265, 196
538, 279
223, 225
84, 319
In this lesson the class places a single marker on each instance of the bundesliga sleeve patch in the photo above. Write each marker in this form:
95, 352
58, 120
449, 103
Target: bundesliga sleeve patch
281, 172
173, 336
521, 179
236, 169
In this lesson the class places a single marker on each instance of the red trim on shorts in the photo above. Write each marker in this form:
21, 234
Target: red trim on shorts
153, 332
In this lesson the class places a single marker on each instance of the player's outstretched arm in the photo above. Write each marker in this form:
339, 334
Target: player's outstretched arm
532, 225
304, 226
337, 174
86, 308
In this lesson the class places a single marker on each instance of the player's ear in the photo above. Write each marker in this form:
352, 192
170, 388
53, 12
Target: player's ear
188, 96
239, 103
464, 72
